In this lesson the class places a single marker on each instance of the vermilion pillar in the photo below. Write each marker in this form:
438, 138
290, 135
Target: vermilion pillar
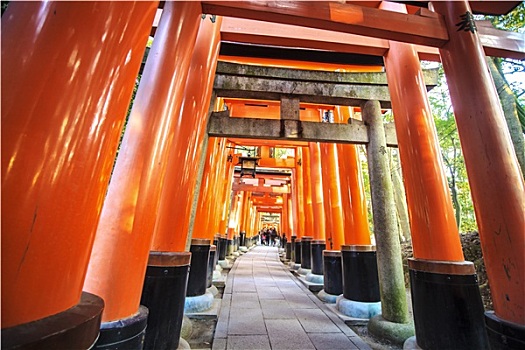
333, 180
226, 196
204, 217
357, 231
291, 221
120, 254
325, 172
299, 192
435, 232
173, 219
497, 187
317, 190
307, 191
68, 71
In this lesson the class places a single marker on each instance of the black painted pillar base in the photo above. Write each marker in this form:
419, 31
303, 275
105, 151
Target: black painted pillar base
306, 252
297, 250
448, 311
197, 280
242, 237
333, 272
211, 266
360, 279
222, 247
164, 294
504, 334
292, 250
229, 247
317, 247
77, 327
127, 333
288, 255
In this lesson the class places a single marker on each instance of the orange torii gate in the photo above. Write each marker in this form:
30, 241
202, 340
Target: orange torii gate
56, 163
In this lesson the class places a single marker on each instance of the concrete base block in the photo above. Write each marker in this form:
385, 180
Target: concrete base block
243, 249
183, 345
327, 298
186, 328
303, 271
224, 264
294, 266
313, 278
236, 254
213, 290
358, 309
198, 303
216, 275
411, 344
394, 332
218, 267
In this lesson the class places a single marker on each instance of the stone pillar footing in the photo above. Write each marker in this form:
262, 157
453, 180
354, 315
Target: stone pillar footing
411, 344
76, 327
393, 332
183, 344
358, 309
314, 278
303, 271
198, 303
503, 334
327, 297
213, 290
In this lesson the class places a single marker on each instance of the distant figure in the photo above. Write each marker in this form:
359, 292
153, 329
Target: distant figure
273, 235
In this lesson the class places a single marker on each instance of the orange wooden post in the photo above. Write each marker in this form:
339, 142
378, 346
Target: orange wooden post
300, 192
61, 122
203, 219
497, 186
435, 232
291, 220
307, 190
325, 171
222, 184
227, 195
357, 231
173, 219
317, 190
120, 254
333, 179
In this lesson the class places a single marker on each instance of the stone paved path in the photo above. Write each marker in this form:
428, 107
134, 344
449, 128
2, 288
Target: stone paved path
265, 307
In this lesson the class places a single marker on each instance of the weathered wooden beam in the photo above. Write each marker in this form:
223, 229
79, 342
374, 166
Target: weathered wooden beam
221, 125
348, 18
365, 78
333, 88
309, 92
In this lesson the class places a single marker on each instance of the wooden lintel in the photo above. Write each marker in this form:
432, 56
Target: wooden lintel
256, 128
495, 42
348, 18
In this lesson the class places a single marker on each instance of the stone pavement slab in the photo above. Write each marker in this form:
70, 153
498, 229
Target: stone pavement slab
266, 307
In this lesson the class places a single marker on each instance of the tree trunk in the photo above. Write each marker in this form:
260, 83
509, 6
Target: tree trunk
508, 102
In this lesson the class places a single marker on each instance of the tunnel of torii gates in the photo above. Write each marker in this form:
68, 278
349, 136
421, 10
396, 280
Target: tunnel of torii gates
85, 238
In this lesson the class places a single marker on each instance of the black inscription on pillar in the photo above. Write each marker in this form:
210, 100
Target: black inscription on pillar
467, 23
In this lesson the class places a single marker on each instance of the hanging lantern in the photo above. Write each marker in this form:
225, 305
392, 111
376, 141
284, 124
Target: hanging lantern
248, 165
